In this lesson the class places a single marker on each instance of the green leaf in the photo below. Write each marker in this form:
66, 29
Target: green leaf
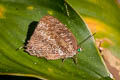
19, 17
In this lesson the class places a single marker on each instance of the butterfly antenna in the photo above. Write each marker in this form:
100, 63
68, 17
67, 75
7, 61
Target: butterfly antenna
87, 38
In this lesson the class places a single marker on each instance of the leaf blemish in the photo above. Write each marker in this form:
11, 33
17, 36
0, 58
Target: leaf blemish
2, 11
30, 8
50, 70
96, 25
50, 12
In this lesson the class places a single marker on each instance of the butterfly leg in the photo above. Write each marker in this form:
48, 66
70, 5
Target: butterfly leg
22, 47
74, 59
63, 61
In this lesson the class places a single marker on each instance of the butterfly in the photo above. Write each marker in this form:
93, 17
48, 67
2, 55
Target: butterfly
53, 40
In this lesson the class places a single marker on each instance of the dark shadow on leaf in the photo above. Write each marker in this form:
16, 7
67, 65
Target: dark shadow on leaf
8, 77
31, 29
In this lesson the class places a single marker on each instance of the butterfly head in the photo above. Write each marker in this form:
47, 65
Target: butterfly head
79, 49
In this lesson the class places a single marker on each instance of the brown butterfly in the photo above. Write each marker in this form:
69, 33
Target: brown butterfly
53, 40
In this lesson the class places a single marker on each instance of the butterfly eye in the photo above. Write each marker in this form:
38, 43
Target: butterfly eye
79, 50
